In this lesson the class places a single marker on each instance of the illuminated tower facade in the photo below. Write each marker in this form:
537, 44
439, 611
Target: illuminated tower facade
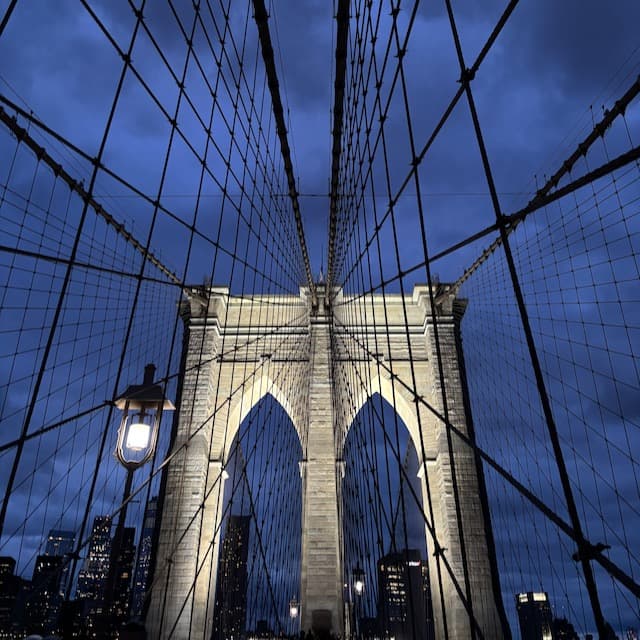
232, 578
92, 579
534, 616
403, 605
60, 543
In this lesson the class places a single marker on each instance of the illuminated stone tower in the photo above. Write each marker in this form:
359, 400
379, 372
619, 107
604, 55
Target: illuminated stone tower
240, 349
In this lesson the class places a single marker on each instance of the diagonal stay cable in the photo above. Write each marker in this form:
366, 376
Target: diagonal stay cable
511, 220
62, 295
262, 21
543, 195
7, 15
29, 117
37, 255
610, 566
434, 134
23, 136
78, 187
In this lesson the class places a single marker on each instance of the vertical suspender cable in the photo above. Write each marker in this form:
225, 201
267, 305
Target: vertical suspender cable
262, 21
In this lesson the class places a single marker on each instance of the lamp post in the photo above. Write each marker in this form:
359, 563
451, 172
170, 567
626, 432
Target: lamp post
294, 612
358, 587
358, 580
294, 608
142, 406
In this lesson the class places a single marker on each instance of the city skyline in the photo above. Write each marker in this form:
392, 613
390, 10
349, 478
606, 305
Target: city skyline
41, 604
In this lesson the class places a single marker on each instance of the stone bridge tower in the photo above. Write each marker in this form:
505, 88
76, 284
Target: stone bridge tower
321, 365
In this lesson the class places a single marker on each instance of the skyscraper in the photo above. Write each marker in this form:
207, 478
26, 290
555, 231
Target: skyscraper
534, 616
44, 601
403, 599
563, 630
231, 607
93, 576
123, 577
9, 586
60, 543
140, 581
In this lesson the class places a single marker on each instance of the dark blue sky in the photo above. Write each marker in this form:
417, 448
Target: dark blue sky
534, 91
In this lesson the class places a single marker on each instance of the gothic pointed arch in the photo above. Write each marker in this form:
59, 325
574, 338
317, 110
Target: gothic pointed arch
394, 394
253, 392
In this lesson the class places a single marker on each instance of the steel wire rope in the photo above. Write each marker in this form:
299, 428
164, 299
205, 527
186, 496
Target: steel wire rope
442, 121
239, 99
591, 367
378, 84
227, 310
416, 499
365, 323
253, 500
139, 78
487, 230
214, 264
399, 72
604, 561
61, 297
12, 265
98, 208
544, 398
401, 499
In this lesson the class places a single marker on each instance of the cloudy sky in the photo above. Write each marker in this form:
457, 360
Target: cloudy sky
552, 62
553, 69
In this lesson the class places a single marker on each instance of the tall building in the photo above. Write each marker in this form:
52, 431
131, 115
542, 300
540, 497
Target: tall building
92, 579
563, 630
231, 605
44, 601
403, 603
9, 587
124, 575
141, 577
61, 543
73, 619
534, 616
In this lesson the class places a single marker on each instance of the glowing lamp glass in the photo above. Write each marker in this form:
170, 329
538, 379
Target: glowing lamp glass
293, 609
359, 586
138, 436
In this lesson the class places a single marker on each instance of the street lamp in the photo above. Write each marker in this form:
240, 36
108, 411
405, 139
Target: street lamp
294, 612
142, 406
358, 580
358, 587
